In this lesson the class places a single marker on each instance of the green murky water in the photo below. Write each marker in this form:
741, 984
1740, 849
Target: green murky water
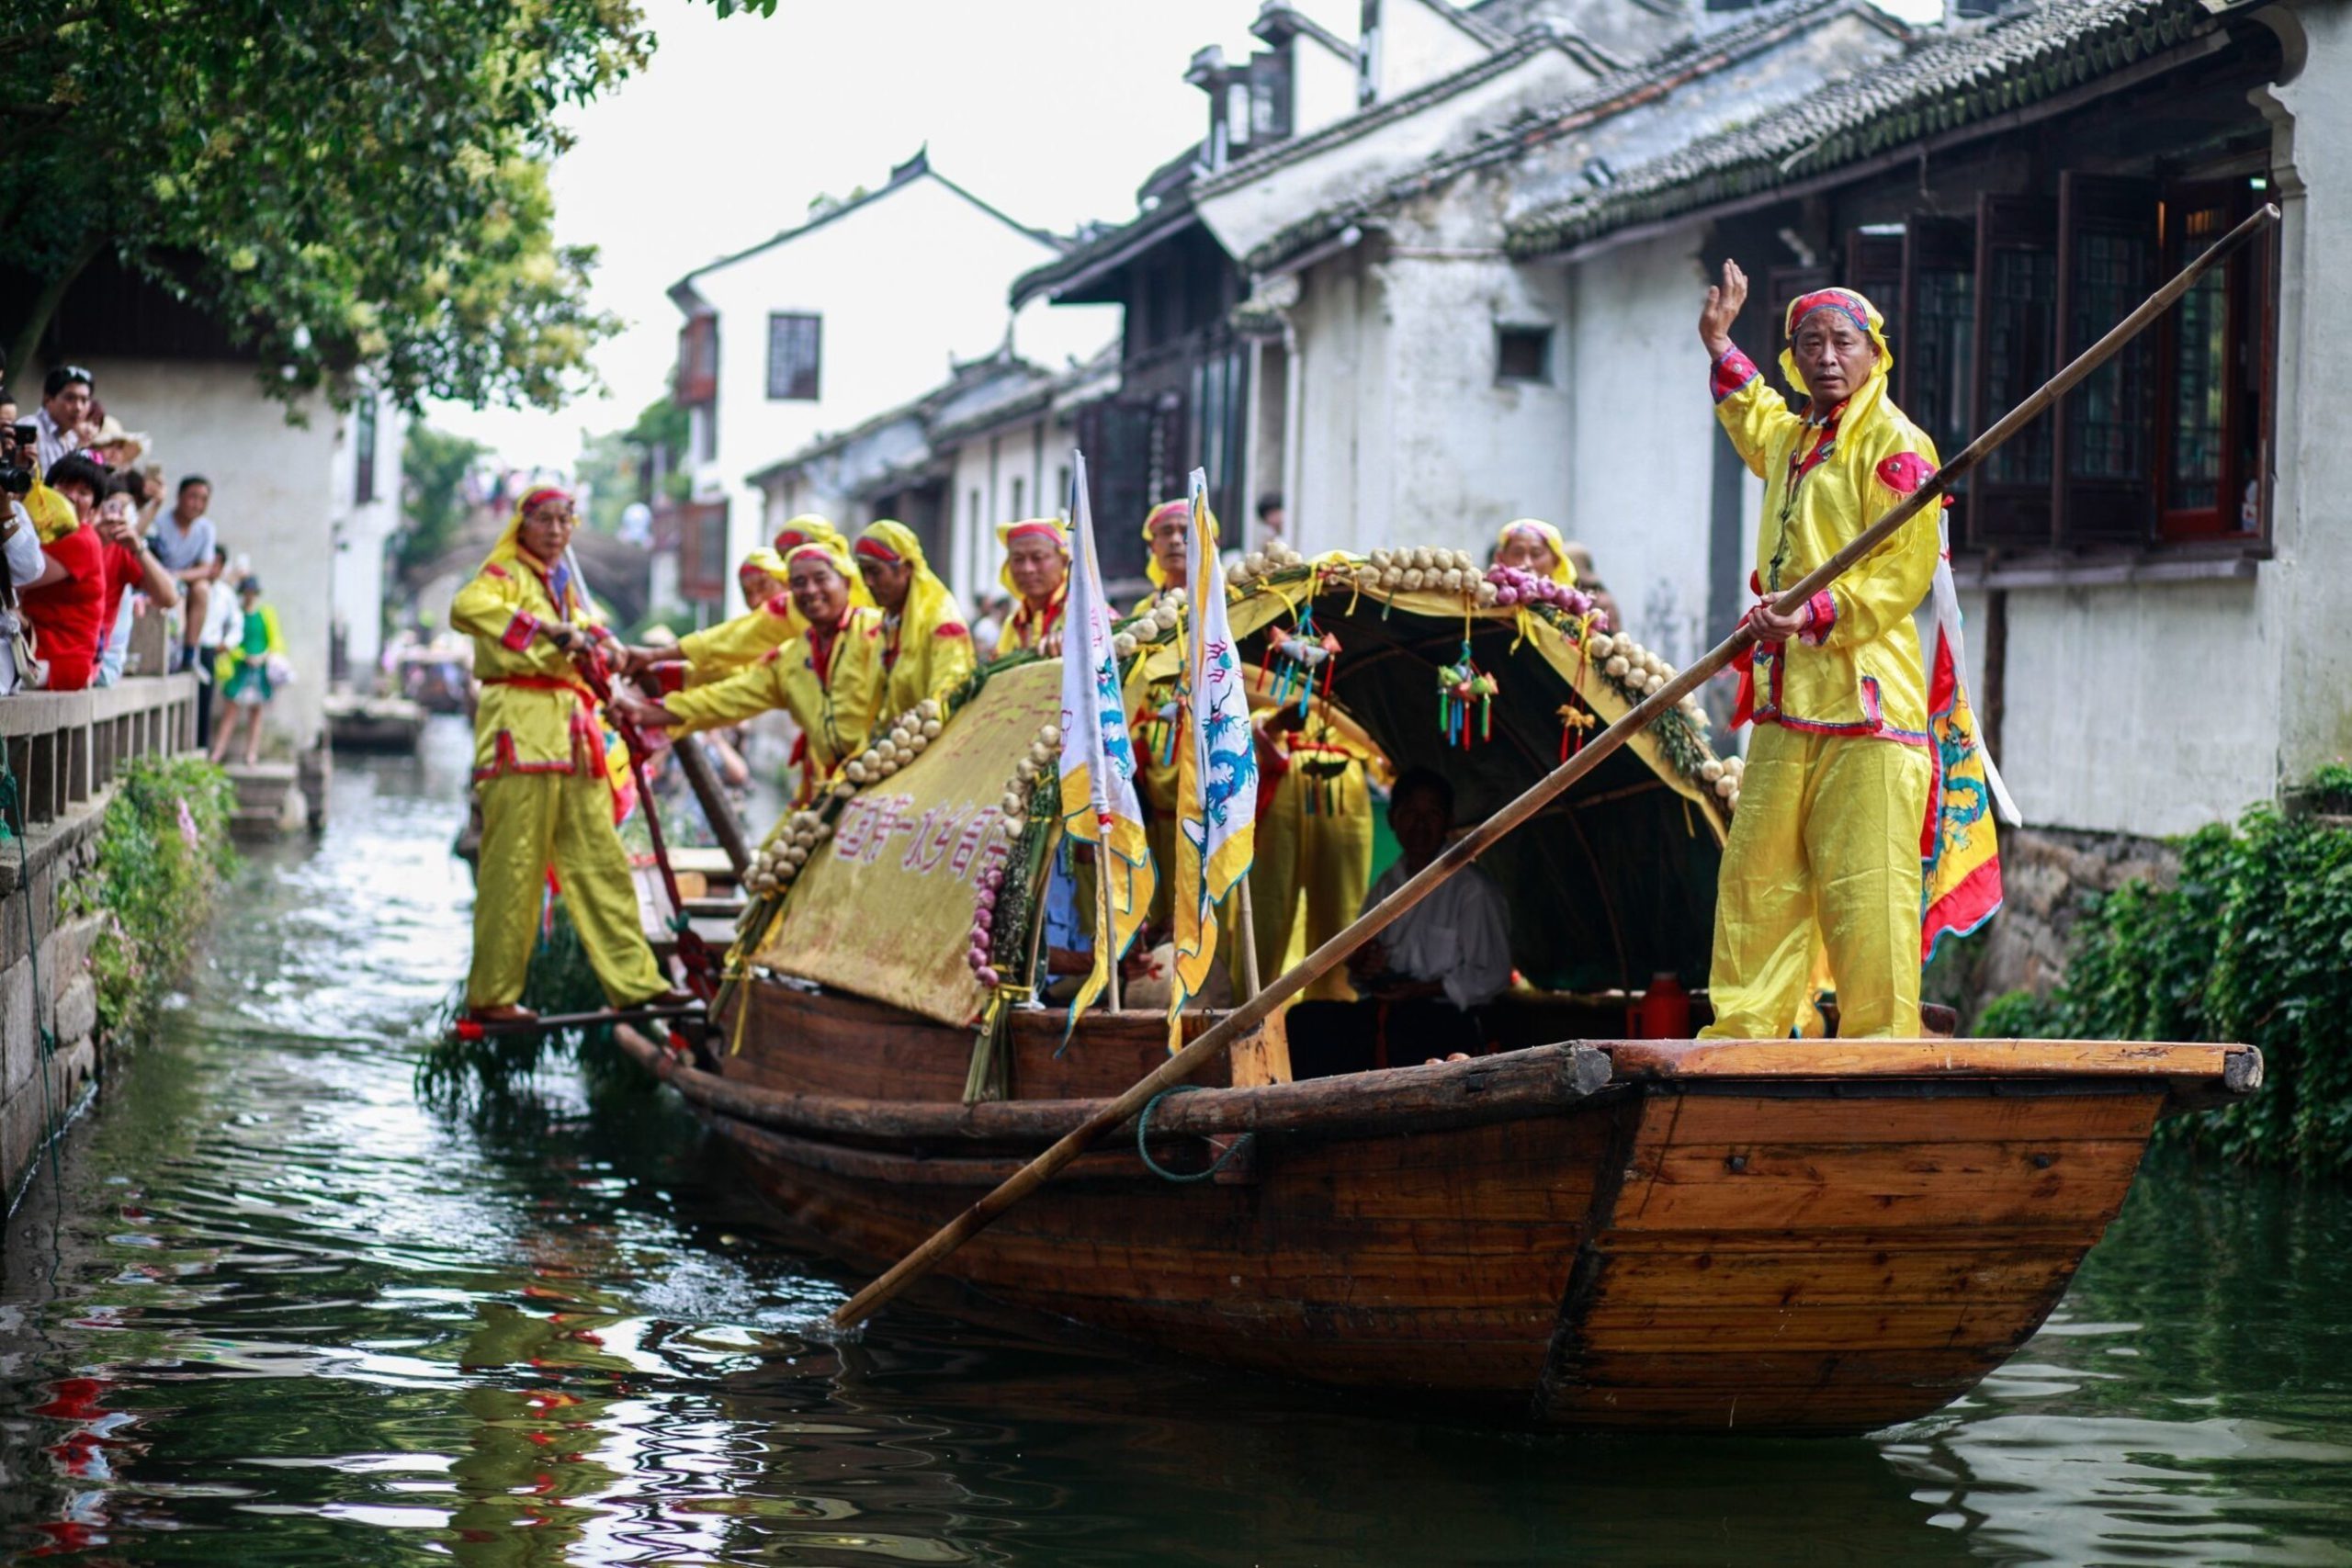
275, 1311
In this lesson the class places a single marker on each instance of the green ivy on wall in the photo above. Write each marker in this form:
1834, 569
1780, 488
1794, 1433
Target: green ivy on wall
2252, 944
162, 848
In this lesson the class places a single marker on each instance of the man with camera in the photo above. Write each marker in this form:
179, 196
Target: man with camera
23, 563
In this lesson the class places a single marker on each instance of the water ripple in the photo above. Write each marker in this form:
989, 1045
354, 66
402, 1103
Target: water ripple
293, 1317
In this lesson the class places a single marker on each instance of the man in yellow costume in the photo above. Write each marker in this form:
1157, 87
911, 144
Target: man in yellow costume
830, 679
541, 769
1314, 835
1827, 834
1151, 722
926, 644
769, 620
1036, 573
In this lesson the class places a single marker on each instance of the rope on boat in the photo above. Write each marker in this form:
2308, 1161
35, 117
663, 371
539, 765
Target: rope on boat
1143, 1130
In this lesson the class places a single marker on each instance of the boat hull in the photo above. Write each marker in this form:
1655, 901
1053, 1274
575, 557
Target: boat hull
1651, 1235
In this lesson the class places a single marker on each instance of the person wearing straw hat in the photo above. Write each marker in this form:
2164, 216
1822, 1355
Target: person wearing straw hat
829, 680
543, 772
1036, 574
1827, 833
926, 643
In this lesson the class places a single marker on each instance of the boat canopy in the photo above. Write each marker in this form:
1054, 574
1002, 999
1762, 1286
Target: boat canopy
1607, 887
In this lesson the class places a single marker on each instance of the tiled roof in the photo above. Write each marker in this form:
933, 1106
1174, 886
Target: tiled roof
1173, 212
1614, 92
1944, 80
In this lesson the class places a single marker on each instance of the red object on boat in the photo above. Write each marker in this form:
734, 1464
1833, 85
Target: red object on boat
1664, 1012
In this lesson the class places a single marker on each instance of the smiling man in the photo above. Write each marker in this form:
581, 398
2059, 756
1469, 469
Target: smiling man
1826, 838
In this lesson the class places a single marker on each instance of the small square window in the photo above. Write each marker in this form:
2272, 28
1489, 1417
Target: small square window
1522, 353
795, 350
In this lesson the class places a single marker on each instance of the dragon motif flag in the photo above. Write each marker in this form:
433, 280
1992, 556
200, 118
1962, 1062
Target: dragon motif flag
1217, 767
1098, 763
1959, 861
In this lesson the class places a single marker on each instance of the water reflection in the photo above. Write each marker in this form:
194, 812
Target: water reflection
291, 1317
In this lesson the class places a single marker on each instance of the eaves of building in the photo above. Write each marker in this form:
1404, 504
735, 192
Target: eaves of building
1945, 81
1614, 93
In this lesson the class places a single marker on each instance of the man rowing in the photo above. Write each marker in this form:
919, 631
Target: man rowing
543, 775
1826, 838
830, 679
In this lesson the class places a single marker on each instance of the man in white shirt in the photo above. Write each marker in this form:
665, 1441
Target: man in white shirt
184, 540
64, 411
1421, 982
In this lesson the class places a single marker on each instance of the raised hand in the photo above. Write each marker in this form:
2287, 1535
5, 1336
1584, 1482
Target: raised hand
1723, 307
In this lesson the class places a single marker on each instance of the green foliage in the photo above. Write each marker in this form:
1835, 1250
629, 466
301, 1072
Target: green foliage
338, 185
163, 850
500, 1067
2253, 944
612, 466
434, 466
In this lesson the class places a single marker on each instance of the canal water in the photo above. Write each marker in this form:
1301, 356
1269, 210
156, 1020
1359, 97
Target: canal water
270, 1309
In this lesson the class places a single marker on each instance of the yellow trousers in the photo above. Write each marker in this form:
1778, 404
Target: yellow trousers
1823, 857
532, 821
1322, 858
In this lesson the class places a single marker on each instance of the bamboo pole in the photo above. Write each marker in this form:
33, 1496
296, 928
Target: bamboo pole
1246, 919
1107, 931
1463, 851
715, 807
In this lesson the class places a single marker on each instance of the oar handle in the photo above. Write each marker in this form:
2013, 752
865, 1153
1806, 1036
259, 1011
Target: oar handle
1463, 851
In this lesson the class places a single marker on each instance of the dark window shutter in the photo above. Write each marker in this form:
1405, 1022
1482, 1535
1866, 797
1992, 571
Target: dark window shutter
2103, 429
2017, 317
1935, 368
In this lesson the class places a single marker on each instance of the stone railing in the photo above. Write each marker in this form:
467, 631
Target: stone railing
65, 747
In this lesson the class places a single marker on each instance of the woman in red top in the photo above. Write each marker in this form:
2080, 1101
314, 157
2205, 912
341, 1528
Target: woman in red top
67, 616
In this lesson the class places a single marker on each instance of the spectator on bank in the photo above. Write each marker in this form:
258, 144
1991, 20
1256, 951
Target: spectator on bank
63, 417
189, 548
131, 568
250, 671
218, 630
28, 565
65, 615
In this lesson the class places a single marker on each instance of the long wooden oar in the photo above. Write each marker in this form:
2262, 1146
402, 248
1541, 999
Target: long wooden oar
1253, 1012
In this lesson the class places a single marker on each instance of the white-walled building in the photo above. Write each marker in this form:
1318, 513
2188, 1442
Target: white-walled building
992, 445
859, 309
1430, 381
307, 506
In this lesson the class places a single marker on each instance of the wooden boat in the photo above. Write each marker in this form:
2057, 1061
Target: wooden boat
1577, 1230
360, 723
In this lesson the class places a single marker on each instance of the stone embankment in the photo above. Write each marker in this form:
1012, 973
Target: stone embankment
65, 753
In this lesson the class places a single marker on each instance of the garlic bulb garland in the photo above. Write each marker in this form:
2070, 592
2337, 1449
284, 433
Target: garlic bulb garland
1273, 557
778, 862
1040, 764
1513, 586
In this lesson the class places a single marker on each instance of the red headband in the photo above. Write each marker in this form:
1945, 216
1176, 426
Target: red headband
1829, 300
1039, 530
1166, 509
544, 492
875, 549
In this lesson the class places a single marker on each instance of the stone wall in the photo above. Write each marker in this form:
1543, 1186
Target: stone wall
2049, 875
64, 1003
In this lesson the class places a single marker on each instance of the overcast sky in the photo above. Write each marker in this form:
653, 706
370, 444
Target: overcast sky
1054, 110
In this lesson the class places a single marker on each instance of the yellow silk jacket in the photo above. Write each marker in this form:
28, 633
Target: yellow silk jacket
537, 714
1856, 668
831, 688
